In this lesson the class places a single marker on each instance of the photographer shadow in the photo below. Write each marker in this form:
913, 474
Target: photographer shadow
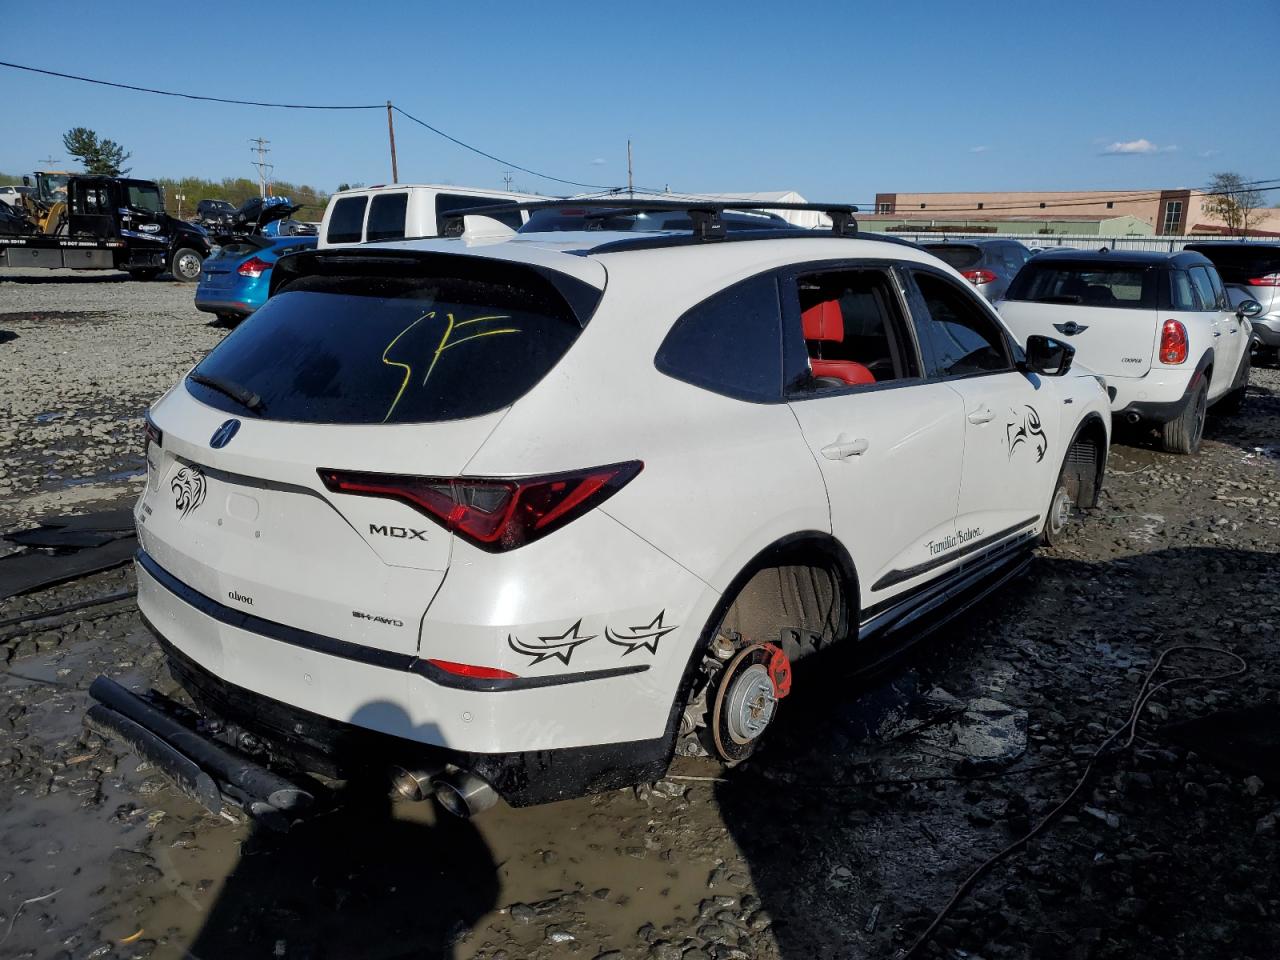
358, 880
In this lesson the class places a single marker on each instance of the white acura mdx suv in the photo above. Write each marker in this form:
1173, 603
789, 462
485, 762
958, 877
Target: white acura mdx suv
525, 518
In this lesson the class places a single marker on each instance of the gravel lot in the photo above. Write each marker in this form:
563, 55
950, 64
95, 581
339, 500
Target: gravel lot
871, 804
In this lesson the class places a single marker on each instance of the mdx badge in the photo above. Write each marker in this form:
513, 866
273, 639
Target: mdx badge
222, 436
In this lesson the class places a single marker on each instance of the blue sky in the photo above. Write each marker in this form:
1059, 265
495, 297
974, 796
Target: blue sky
836, 100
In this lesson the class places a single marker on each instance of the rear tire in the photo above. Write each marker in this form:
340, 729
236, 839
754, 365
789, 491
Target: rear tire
1234, 400
186, 265
1184, 433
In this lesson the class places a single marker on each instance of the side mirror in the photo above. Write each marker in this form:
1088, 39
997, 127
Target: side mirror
1248, 309
26, 181
1048, 357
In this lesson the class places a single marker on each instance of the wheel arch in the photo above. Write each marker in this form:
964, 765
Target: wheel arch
1091, 431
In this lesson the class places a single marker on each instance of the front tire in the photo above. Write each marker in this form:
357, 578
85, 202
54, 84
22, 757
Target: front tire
186, 265
1184, 433
1057, 521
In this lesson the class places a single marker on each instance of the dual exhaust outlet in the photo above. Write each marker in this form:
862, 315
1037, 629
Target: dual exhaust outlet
460, 792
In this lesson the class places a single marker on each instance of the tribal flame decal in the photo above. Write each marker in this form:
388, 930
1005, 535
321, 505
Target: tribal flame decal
188, 488
643, 637
558, 648
1026, 431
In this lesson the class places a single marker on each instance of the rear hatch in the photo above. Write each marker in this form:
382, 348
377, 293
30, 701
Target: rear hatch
361, 365
1106, 311
219, 272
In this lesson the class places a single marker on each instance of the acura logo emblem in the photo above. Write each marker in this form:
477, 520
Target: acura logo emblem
1070, 328
222, 436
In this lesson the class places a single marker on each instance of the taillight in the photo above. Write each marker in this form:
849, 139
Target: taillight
1173, 342
153, 435
979, 276
1270, 280
494, 514
253, 267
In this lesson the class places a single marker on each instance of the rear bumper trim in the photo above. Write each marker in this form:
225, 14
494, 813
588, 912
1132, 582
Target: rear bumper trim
344, 649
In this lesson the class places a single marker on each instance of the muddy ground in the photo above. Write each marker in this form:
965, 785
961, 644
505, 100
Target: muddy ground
871, 804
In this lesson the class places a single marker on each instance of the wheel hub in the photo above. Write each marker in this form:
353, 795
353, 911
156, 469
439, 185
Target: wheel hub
751, 703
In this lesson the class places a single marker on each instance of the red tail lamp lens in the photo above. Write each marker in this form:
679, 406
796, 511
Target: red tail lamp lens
1173, 342
979, 276
494, 514
1270, 280
253, 267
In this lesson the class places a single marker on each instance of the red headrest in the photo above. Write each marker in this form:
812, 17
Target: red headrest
850, 371
823, 321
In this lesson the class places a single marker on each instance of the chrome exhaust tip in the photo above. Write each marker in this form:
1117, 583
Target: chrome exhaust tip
413, 784
464, 794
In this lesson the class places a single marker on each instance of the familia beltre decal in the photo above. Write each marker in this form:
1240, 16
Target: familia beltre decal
636, 638
1025, 428
547, 648
188, 488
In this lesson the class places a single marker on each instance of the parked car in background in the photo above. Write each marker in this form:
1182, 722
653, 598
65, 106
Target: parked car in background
445, 506
236, 278
1251, 271
990, 265
212, 213
407, 210
11, 195
1160, 327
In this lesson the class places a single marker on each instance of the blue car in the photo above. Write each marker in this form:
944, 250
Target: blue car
235, 280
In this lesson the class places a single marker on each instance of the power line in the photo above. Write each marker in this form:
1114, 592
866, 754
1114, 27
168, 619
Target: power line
490, 156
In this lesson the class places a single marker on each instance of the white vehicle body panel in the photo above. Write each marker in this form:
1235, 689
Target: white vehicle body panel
630, 585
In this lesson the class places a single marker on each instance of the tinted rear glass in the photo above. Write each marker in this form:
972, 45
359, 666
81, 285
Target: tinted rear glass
1240, 265
955, 255
347, 221
562, 219
392, 349
448, 202
1087, 284
386, 216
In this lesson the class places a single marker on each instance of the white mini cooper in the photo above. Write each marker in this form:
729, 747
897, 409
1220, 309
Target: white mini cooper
526, 518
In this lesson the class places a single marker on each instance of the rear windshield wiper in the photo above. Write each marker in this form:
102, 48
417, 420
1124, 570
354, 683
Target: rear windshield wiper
241, 395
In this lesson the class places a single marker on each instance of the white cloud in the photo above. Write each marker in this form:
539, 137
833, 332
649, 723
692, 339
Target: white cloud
1128, 148
981, 149
599, 162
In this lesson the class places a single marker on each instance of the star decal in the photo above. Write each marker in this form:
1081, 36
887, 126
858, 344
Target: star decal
559, 648
636, 638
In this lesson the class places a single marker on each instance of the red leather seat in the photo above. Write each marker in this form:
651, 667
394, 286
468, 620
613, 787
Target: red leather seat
824, 323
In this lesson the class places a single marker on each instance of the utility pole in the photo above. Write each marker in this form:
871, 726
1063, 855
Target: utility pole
506, 178
631, 187
391, 135
264, 168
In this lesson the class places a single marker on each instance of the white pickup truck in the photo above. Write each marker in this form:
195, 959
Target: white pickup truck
1159, 327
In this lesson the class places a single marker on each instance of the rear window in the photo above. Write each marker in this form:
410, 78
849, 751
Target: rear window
446, 203
1087, 284
956, 255
364, 349
346, 223
1240, 265
386, 216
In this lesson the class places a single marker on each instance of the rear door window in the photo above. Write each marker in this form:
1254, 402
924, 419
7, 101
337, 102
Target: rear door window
1219, 290
386, 216
1182, 294
413, 344
1204, 288
346, 223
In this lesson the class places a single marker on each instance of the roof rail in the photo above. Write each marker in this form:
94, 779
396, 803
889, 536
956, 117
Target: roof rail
705, 215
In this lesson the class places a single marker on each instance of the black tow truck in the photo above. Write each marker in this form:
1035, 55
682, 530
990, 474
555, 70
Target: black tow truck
100, 223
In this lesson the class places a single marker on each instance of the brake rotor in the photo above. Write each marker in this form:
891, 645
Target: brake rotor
746, 699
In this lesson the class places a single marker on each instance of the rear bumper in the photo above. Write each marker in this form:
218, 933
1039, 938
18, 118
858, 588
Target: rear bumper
1267, 330
1158, 397
237, 308
337, 708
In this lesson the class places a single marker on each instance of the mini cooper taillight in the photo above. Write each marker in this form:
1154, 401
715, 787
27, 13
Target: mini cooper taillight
253, 267
1173, 342
979, 276
494, 514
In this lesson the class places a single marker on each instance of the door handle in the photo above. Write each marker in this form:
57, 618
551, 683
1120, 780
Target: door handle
1217, 333
983, 414
1234, 331
843, 449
